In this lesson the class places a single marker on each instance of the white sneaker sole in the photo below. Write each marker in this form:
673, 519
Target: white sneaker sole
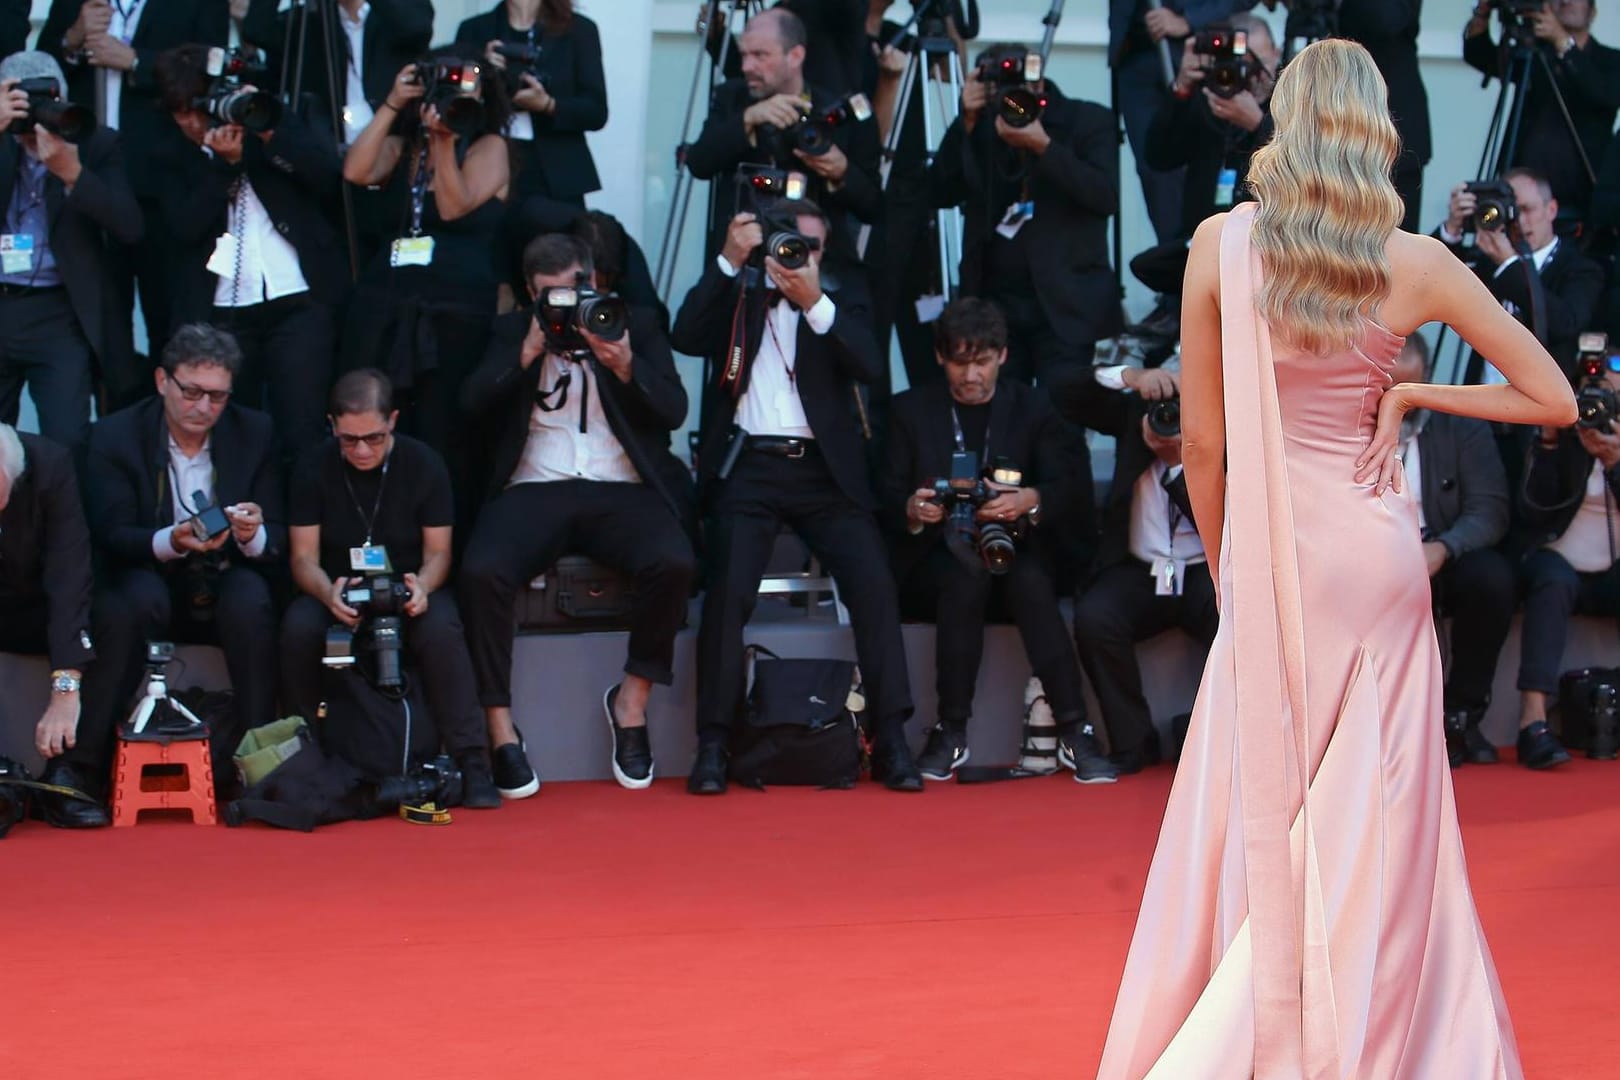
624, 780
957, 764
1095, 779
522, 792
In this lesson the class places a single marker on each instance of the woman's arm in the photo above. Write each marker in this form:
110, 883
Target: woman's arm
374, 156
1203, 389
459, 189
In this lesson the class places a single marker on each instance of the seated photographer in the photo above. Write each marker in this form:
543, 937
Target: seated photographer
369, 494
621, 265
1585, 82
186, 508
1456, 478
65, 204
1150, 573
253, 249
551, 58
45, 608
783, 446
978, 477
583, 465
763, 118
1059, 169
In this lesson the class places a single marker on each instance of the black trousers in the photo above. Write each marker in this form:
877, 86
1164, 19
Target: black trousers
1141, 90
959, 599
528, 527
1035, 352
1119, 610
143, 605
1408, 179
149, 268
1553, 591
763, 494
41, 345
904, 259
23, 623
1477, 590
288, 346
434, 644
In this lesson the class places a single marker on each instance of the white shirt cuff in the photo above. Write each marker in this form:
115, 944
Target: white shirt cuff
162, 549
1509, 261
821, 314
255, 547
1447, 237
725, 266
1111, 377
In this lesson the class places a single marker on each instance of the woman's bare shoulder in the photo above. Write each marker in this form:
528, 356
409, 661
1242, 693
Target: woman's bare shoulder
1418, 266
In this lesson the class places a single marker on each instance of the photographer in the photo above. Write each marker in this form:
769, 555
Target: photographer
367, 488
558, 93
582, 466
782, 446
1061, 170
835, 48
943, 577
621, 265
752, 120
110, 52
186, 507
61, 310
1585, 74
254, 250
45, 608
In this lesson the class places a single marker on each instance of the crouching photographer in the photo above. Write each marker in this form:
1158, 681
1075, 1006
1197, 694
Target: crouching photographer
978, 479
369, 535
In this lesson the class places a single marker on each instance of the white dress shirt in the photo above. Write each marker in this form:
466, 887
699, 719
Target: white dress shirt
557, 449
269, 267
187, 475
1587, 543
356, 109
126, 16
771, 404
1159, 530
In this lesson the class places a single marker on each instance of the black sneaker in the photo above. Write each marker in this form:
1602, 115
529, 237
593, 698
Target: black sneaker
893, 766
1078, 750
1539, 748
1477, 749
632, 751
708, 775
946, 750
478, 790
514, 776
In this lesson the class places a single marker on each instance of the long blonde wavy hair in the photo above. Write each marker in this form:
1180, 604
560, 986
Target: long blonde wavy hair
1327, 205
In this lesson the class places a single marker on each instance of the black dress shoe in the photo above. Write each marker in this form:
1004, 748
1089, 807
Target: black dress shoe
1477, 749
893, 767
65, 811
708, 775
1539, 748
1456, 724
478, 790
632, 750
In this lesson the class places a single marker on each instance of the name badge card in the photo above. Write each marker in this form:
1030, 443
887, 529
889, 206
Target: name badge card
411, 251
369, 558
16, 253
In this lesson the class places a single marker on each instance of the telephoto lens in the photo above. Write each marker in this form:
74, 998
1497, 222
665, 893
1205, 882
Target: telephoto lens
46, 109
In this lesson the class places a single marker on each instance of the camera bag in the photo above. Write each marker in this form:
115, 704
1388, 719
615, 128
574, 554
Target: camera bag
380, 735
289, 782
1576, 705
800, 723
576, 594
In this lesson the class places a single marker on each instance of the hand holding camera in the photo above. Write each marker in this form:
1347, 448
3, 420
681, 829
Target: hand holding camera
418, 603
1240, 110
1152, 384
742, 236
1012, 504
1031, 136
830, 164
615, 355
1547, 26
1190, 75
13, 103
226, 142
923, 509
408, 87
801, 284
1495, 244
340, 610
1167, 448
1601, 444
975, 96
779, 110
1460, 210
60, 157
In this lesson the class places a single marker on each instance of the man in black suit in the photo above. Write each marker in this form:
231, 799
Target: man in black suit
582, 465
253, 248
999, 429
1151, 573
45, 608
156, 469
110, 52
1586, 75
1388, 29
781, 446
14, 28
60, 309
1037, 200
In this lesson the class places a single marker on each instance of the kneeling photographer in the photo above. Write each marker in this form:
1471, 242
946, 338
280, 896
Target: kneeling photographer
980, 475
369, 534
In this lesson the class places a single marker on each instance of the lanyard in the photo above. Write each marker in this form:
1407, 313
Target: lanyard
559, 390
961, 441
126, 15
781, 353
376, 506
419, 184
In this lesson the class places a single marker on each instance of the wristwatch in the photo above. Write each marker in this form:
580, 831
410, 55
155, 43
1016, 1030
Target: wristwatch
64, 682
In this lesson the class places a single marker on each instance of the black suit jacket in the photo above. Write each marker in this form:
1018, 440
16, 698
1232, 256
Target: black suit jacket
828, 367
298, 178
1024, 428
45, 549
1465, 488
571, 69
143, 123
130, 496
1126, 30
1186, 134
87, 225
1554, 485
642, 412
1388, 29
1075, 187
14, 26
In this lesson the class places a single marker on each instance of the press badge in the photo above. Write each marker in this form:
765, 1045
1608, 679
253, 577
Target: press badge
1225, 188
16, 253
1013, 220
520, 127
411, 251
1168, 575
369, 558
223, 260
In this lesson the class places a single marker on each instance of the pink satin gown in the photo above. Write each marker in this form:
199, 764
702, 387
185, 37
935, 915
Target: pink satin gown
1330, 932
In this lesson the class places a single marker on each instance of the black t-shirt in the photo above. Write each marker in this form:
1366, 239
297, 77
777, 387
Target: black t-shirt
411, 494
975, 421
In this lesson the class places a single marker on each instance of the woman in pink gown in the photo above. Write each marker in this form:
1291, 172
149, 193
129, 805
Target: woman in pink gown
1308, 913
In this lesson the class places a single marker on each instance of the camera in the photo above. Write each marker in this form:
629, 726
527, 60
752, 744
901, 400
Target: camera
46, 109
1164, 418
436, 781
380, 600
769, 194
450, 85
1518, 21
1595, 403
991, 543
565, 312
1232, 69
813, 134
522, 59
1013, 76
231, 99
1495, 206
1589, 711
208, 521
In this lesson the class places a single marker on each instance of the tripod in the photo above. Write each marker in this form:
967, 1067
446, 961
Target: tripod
292, 85
156, 701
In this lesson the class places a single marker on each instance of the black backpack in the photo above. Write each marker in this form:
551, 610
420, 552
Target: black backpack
800, 723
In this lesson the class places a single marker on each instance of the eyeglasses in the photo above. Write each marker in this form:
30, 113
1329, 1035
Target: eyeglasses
372, 439
197, 393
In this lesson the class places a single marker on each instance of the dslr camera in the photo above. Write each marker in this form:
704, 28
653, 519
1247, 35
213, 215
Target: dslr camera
565, 312
813, 134
1012, 77
769, 194
990, 544
380, 599
231, 98
450, 85
1164, 418
1232, 67
46, 109
1595, 403
1495, 206
522, 59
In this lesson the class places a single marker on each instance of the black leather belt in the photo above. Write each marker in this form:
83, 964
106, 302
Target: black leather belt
782, 446
8, 289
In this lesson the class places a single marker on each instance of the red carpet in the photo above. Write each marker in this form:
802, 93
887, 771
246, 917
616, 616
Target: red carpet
592, 932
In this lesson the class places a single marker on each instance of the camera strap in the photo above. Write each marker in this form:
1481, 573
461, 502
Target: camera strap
961, 440
731, 371
370, 521
419, 184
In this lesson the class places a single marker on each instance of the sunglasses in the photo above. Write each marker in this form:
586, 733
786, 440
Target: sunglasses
372, 439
